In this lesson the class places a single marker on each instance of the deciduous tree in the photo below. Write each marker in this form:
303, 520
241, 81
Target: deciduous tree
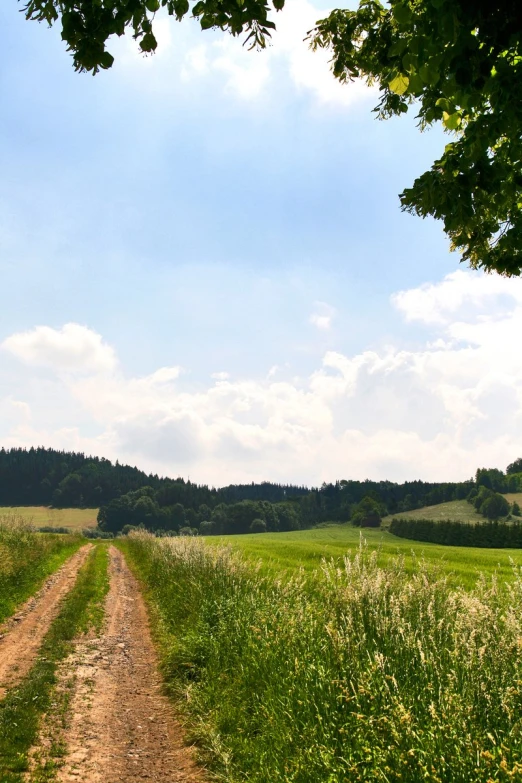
458, 62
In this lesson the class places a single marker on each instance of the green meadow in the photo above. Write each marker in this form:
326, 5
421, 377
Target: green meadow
308, 549
392, 673
456, 510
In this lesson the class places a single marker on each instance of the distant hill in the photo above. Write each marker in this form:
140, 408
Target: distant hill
47, 477
43, 477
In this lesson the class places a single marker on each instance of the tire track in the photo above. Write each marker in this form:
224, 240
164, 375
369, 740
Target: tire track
121, 727
22, 635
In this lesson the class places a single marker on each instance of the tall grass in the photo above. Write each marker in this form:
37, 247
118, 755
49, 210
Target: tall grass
26, 559
364, 674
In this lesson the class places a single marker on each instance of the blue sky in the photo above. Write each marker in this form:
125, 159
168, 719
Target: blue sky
234, 216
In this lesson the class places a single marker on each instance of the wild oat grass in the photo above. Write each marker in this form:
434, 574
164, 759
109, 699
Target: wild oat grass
26, 559
362, 674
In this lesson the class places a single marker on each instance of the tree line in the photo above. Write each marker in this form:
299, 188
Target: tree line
486, 534
126, 495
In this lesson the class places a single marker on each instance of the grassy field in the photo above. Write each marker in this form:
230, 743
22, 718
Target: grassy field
355, 674
40, 516
307, 549
457, 510
514, 497
26, 559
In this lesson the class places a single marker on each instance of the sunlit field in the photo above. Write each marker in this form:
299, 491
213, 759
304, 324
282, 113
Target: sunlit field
456, 510
43, 516
358, 673
307, 549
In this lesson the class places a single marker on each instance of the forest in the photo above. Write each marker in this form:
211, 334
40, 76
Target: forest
126, 495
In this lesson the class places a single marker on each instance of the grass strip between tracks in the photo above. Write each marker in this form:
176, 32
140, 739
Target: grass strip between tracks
22, 708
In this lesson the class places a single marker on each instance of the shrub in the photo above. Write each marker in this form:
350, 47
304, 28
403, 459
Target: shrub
95, 533
367, 513
494, 507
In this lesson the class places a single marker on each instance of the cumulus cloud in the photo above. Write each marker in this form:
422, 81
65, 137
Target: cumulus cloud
73, 348
435, 412
460, 293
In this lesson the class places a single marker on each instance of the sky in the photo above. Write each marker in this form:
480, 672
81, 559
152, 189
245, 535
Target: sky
206, 273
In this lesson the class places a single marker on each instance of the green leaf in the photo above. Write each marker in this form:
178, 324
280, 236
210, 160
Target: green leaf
152, 5
398, 47
429, 74
451, 121
399, 85
106, 60
416, 83
182, 7
446, 105
402, 13
148, 43
407, 62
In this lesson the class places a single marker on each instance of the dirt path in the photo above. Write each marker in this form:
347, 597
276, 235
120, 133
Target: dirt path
22, 635
121, 727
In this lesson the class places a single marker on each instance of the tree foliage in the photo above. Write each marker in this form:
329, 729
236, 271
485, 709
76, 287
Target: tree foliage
494, 507
447, 531
460, 63
514, 467
128, 496
367, 513
88, 24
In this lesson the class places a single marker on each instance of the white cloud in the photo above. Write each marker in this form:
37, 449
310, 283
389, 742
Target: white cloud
222, 61
460, 292
321, 321
311, 70
437, 412
73, 348
247, 72
165, 375
322, 316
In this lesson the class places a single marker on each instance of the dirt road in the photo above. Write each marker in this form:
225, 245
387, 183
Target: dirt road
120, 726
22, 635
